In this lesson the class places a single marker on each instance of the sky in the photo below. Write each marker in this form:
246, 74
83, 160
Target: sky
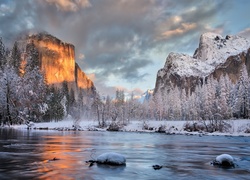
121, 44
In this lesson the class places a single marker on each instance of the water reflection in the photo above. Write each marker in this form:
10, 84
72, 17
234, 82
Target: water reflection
62, 155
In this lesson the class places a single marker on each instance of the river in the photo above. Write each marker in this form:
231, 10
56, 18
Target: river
38, 154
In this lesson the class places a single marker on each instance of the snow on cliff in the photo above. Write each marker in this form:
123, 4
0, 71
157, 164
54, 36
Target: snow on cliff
213, 50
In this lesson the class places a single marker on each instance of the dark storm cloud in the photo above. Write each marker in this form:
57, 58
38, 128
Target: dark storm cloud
126, 69
15, 17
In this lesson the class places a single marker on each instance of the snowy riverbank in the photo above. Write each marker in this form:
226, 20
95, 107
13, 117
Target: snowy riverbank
237, 127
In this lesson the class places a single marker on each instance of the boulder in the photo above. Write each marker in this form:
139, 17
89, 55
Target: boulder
111, 158
224, 160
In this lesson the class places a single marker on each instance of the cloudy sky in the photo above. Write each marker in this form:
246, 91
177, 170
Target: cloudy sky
123, 43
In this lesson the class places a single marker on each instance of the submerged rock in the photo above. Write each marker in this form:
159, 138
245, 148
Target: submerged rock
157, 167
224, 160
111, 158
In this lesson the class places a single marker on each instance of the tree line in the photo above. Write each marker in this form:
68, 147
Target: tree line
214, 99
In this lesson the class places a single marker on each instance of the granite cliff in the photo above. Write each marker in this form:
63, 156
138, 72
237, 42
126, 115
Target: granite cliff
215, 56
57, 61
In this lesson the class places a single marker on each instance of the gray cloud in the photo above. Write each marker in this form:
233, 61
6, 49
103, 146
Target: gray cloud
69, 5
15, 18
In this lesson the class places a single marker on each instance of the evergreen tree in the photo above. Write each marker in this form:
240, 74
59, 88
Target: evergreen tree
55, 109
16, 58
97, 106
3, 60
32, 57
9, 84
33, 94
223, 99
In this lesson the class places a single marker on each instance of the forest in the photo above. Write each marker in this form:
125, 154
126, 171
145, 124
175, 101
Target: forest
25, 96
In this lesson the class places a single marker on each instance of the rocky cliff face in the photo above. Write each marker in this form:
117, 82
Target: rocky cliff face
57, 61
82, 80
215, 56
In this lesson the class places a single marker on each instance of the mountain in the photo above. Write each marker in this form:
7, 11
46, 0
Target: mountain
215, 56
57, 61
146, 96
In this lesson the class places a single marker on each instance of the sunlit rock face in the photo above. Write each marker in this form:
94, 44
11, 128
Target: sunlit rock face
215, 56
82, 80
57, 61
57, 58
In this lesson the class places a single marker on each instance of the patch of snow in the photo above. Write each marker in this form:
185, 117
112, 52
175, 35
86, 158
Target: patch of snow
171, 127
224, 157
111, 158
161, 72
224, 160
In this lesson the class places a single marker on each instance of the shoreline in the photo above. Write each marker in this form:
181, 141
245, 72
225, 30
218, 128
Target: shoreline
238, 127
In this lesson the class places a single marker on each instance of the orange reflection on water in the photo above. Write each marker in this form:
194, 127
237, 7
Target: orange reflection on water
62, 157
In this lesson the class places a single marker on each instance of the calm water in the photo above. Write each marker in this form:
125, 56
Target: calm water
29, 155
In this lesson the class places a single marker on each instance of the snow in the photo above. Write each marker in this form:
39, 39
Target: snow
111, 158
213, 50
224, 160
224, 157
238, 127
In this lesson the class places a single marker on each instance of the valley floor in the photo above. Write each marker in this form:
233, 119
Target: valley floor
239, 127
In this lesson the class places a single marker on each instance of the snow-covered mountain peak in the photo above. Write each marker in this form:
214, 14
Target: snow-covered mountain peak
215, 47
213, 50
146, 95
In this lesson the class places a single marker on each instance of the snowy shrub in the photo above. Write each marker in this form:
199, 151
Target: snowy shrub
192, 127
147, 127
76, 124
208, 126
244, 128
114, 127
218, 125
161, 129
247, 130
224, 126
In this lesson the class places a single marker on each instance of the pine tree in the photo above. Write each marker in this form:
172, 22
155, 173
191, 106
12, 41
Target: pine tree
9, 83
16, 58
223, 99
3, 60
55, 109
32, 57
97, 108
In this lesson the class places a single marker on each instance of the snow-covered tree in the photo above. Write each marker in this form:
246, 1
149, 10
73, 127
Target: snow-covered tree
15, 60
32, 57
3, 60
9, 82
32, 94
55, 110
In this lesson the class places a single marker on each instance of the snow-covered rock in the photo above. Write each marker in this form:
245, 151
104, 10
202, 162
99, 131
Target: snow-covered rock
213, 50
215, 53
224, 160
111, 158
